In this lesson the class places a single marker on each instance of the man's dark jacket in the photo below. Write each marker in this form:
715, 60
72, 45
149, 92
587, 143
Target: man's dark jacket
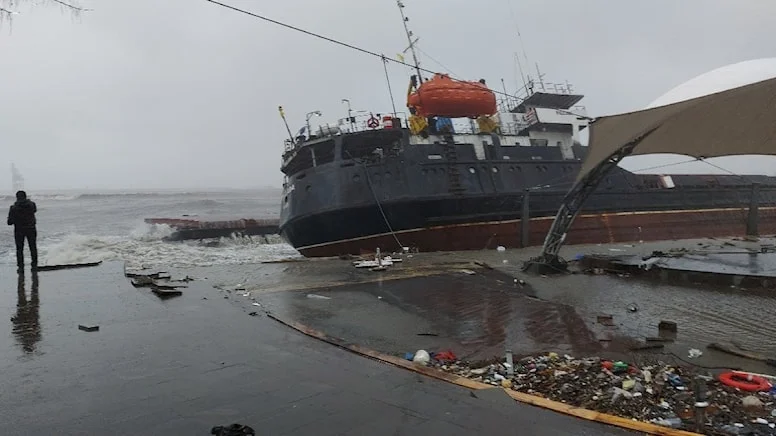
22, 214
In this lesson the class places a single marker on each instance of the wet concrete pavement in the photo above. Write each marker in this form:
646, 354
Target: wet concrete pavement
183, 365
483, 314
475, 312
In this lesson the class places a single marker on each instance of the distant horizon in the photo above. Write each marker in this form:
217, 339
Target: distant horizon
147, 190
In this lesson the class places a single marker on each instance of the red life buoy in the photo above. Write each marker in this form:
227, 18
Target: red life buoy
373, 122
749, 383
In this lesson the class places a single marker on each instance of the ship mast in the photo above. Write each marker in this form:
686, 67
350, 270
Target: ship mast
412, 43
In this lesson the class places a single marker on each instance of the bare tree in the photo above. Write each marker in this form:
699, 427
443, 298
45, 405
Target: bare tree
9, 8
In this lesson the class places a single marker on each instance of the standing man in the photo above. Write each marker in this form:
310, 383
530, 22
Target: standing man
22, 217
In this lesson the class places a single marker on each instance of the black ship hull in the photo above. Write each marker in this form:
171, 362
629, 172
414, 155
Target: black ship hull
436, 197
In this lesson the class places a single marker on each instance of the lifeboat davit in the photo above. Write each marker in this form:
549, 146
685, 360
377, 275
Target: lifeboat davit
445, 97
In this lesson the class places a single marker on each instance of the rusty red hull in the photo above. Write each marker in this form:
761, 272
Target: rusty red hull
587, 229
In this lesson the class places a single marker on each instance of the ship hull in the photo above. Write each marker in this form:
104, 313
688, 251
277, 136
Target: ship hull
622, 227
359, 192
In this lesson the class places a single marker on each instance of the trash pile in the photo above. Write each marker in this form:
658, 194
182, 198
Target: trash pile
667, 395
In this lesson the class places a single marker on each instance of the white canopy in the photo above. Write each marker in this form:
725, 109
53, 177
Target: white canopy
734, 122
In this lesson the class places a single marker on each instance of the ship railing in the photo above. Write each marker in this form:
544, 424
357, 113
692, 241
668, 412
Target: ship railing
361, 123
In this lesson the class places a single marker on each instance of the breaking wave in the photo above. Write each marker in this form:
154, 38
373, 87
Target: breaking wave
144, 247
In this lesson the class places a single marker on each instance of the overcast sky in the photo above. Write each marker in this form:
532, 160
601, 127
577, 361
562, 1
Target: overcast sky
141, 94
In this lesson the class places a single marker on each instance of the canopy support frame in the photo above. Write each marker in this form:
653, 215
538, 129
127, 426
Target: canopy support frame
549, 260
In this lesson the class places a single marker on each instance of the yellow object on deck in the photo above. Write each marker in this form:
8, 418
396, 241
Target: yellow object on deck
486, 124
417, 124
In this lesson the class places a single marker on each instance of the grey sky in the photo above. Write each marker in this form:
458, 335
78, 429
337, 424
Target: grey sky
145, 94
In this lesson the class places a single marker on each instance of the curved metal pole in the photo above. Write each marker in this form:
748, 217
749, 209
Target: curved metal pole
572, 204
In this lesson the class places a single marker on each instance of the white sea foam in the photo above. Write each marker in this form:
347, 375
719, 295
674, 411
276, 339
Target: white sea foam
144, 247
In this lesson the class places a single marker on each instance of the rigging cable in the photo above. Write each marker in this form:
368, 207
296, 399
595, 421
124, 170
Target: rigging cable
388, 80
377, 200
334, 41
435, 61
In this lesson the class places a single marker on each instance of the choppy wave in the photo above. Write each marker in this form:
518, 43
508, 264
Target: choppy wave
144, 247
98, 196
49, 197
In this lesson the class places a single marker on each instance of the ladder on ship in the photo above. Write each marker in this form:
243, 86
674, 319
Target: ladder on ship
453, 176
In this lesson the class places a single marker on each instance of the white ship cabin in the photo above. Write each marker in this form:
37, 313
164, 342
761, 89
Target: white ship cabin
549, 118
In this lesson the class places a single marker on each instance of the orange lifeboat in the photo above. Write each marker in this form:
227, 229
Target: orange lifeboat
445, 97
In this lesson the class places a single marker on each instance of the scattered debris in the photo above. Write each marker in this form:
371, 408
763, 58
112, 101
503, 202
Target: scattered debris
233, 430
422, 357
89, 328
606, 320
153, 281
253, 313
501, 249
483, 265
166, 293
68, 266
633, 308
468, 272
378, 263
318, 297
651, 392
668, 326
427, 334
692, 353
256, 304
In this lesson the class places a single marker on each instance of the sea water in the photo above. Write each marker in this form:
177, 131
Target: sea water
76, 227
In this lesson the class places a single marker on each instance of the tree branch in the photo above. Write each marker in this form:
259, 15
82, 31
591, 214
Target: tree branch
71, 6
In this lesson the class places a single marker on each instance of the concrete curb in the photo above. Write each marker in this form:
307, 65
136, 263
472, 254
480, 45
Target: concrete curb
590, 415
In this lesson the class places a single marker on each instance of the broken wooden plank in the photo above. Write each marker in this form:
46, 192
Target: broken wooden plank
166, 293
68, 266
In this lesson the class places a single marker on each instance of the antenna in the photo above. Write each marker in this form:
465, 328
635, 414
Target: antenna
541, 76
412, 43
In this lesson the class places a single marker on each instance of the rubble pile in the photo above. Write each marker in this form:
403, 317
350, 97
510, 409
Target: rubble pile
660, 393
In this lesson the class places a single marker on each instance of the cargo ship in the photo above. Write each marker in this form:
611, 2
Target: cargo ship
461, 171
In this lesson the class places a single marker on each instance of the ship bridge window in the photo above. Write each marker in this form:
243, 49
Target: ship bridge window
324, 152
538, 142
300, 162
371, 144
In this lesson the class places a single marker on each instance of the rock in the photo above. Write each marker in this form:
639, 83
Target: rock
506, 384
751, 402
628, 384
617, 393
479, 371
